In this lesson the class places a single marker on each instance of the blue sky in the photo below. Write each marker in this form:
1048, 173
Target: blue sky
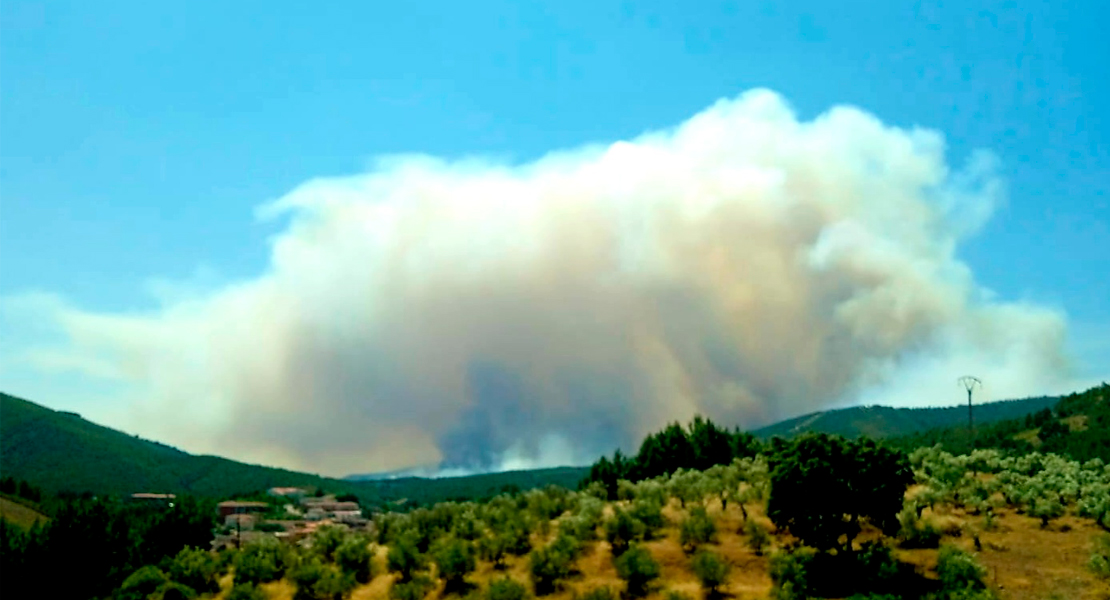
138, 138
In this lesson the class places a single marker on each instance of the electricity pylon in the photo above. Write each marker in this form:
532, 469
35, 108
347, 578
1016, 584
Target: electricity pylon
969, 383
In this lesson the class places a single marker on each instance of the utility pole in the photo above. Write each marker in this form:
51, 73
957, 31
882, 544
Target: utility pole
969, 383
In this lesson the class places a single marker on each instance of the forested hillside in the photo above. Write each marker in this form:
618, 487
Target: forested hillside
1077, 426
885, 421
62, 452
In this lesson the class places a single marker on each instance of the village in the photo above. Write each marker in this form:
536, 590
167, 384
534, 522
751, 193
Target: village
288, 514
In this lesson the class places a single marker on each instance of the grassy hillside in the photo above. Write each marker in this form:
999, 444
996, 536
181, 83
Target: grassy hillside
884, 421
19, 514
62, 452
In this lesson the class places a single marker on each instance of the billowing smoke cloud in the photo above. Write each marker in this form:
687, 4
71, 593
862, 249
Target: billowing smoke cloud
745, 265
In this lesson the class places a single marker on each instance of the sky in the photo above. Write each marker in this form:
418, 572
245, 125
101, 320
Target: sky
354, 236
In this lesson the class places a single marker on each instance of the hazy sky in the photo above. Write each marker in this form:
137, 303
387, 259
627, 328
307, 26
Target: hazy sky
203, 237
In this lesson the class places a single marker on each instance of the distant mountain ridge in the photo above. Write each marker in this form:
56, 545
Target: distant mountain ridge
61, 451
886, 421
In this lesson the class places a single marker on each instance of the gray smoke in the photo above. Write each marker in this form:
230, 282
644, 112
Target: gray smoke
744, 265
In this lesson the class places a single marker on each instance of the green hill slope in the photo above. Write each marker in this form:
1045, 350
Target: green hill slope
62, 452
885, 422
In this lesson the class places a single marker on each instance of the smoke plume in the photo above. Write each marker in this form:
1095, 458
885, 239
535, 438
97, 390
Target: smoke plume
745, 265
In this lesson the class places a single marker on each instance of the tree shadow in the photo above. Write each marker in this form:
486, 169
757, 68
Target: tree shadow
845, 574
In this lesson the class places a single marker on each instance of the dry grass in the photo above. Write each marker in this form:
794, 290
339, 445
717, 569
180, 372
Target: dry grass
19, 515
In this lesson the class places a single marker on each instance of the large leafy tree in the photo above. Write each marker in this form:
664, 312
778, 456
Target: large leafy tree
823, 486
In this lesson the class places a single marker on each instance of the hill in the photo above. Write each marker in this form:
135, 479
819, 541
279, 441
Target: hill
1077, 425
62, 452
886, 422
19, 514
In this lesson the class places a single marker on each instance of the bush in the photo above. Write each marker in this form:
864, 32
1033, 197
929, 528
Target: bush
506, 589
650, 514
454, 559
327, 540
246, 591
915, 532
788, 574
758, 538
548, 566
1099, 562
415, 589
621, 530
959, 571
697, 529
675, 595
261, 563
171, 590
876, 567
638, 569
141, 584
353, 556
711, 569
196, 568
404, 559
318, 581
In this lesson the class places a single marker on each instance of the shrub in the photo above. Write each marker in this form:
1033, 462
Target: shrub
142, 583
454, 559
493, 548
261, 563
404, 558
959, 571
877, 567
318, 581
650, 514
675, 595
171, 590
758, 538
327, 540
246, 591
548, 566
915, 532
697, 529
197, 569
621, 530
414, 589
638, 569
1099, 562
711, 569
788, 574
506, 589
1046, 509
353, 556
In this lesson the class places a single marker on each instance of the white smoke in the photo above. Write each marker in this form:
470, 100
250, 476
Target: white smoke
745, 265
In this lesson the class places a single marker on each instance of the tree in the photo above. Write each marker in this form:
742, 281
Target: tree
711, 570
697, 528
455, 560
710, 444
621, 530
823, 485
638, 569
197, 569
506, 589
353, 556
664, 452
404, 558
